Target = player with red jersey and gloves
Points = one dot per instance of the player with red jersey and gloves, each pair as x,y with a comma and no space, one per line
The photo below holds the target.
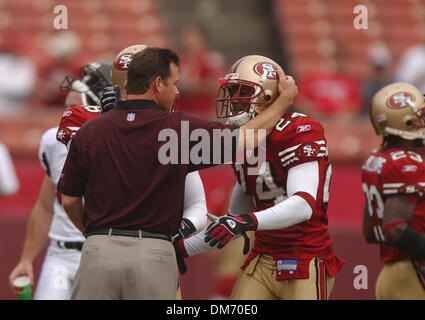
284,202
393,179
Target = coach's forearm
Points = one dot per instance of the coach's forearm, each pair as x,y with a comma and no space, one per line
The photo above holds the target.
256,130
74,209
267,119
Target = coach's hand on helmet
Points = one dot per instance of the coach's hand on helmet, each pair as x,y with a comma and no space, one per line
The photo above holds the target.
111,95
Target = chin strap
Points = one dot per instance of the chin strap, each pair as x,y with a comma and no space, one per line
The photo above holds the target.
401,133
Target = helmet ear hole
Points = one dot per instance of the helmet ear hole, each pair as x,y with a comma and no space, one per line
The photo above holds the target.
268,98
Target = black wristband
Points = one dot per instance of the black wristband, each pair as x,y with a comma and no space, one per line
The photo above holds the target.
413,243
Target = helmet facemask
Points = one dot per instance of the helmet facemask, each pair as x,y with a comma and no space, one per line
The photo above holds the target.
88,97
238,100
249,87
94,77
416,120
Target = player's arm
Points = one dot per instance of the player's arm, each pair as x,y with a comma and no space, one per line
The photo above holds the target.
37,230
302,184
239,203
195,207
75,210
270,116
368,226
398,211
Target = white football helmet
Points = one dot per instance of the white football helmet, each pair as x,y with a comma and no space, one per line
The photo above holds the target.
249,87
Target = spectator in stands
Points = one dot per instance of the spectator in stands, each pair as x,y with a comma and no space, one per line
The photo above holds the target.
332,94
411,67
62,49
379,58
200,67
17,76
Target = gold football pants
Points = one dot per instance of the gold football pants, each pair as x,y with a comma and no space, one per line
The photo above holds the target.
258,282
399,281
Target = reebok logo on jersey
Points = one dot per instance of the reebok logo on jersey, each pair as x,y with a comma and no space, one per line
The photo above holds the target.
231,223
67,113
409,168
303,128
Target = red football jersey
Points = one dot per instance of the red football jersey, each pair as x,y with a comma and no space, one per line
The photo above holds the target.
72,119
296,139
388,172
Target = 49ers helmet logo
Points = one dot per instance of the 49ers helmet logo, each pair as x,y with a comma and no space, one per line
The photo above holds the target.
308,150
271,70
399,100
123,61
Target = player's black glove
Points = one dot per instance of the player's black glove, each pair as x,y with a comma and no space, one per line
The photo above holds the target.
180,257
111,95
224,228
186,229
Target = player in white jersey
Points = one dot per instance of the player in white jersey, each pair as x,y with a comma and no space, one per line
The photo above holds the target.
48,218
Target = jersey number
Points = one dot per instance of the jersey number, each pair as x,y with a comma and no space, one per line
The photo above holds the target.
92,109
375,206
267,187
282,124
397,155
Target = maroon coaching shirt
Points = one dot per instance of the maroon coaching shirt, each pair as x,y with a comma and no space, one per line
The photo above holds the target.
113,161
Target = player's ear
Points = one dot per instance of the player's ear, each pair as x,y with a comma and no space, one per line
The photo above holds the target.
158,84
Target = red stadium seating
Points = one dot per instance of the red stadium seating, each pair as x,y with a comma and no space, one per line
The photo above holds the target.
131,22
399,25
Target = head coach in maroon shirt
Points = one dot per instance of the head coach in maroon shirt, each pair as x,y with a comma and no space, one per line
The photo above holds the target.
132,200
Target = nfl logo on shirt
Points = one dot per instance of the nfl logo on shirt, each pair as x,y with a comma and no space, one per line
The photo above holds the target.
131,116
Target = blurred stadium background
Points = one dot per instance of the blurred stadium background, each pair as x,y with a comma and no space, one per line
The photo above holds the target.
311,39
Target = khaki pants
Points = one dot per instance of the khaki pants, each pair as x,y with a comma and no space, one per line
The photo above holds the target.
399,281
118,267
258,282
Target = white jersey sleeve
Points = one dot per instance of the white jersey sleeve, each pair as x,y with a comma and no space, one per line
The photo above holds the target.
195,204
302,179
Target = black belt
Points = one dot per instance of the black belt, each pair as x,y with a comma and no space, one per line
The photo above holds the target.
70,245
128,233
